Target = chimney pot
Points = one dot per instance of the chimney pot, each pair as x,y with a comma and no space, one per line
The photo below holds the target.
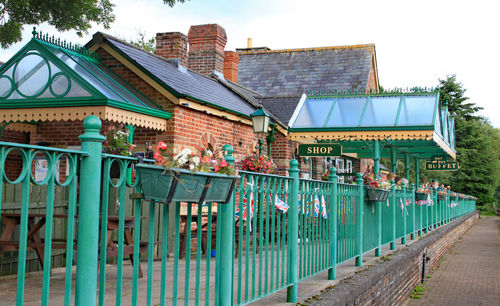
249,43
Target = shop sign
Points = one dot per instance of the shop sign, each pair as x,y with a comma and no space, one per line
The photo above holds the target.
441,166
324,149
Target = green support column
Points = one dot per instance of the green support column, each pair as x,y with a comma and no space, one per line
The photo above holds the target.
293,232
407,167
405,189
394,159
417,172
376,158
378,250
376,170
359,221
412,197
393,215
332,272
130,139
88,211
226,213
260,148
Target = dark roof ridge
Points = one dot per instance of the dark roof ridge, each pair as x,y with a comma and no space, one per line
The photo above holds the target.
358,46
253,103
107,36
278,97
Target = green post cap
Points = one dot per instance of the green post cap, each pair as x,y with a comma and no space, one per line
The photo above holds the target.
92,126
333,174
294,165
229,153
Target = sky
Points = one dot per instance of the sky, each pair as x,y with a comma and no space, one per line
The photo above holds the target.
416,43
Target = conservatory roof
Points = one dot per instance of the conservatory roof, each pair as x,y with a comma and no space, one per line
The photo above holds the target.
415,123
53,80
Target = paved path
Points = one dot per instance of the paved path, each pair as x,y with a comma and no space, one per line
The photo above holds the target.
470,272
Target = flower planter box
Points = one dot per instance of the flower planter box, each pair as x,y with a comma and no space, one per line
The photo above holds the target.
421,196
375,194
441,196
179,185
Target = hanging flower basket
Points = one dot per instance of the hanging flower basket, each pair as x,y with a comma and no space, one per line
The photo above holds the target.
441,196
376,194
421,196
180,185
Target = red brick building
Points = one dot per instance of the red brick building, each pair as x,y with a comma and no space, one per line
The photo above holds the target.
209,92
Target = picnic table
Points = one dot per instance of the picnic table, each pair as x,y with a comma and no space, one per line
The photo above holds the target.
11,220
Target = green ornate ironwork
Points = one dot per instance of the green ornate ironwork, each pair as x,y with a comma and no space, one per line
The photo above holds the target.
48,72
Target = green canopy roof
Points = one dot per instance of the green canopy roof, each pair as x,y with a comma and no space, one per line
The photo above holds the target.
46,73
414,123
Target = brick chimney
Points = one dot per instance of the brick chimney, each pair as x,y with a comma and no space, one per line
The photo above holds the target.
206,48
231,60
173,46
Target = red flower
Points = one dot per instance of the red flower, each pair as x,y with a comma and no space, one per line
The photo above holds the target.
162,145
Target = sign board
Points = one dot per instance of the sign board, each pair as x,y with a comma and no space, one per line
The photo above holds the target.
441,166
438,159
324,149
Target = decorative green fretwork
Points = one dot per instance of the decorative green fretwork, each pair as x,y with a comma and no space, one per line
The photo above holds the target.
63,44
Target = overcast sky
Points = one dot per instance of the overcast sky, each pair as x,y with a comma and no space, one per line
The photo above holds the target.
416,43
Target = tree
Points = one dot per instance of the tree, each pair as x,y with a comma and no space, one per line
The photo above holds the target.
64,15
143,43
477,144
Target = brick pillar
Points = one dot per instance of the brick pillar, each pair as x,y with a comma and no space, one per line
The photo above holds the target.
173,45
231,60
206,48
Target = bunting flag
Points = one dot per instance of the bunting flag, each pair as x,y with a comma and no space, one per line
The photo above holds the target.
244,213
316,205
323,208
280,205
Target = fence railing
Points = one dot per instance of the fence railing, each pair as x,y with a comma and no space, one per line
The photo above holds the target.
275,232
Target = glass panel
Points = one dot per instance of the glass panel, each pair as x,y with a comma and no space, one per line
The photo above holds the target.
88,77
445,125
31,75
60,84
381,111
5,87
347,112
417,110
77,90
438,129
313,113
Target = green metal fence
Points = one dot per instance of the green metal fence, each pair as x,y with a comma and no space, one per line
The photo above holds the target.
274,232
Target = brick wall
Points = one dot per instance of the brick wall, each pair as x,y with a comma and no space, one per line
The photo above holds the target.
391,282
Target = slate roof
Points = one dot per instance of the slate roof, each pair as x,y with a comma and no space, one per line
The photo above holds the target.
276,73
183,82
281,107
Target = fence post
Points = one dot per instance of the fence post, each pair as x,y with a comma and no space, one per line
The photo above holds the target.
393,212
88,220
332,272
225,245
405,211
359,221
293,233
412,195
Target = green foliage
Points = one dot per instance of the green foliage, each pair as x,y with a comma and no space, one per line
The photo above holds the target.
64,15
143,43
171,3
477,144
